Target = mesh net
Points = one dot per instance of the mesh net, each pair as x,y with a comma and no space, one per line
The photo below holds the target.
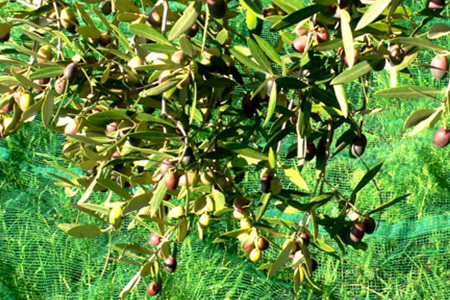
407,258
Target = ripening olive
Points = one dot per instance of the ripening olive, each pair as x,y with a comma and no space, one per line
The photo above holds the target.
45,53
170,264
439,66
60,85
262,243
217,8
154,239
71,127
25,101
436,4
265,183
71,71
153,288
357,232
359,145
115,216
204,220
310,151
165,166
441,137
171,180
299,43
370,225
396,55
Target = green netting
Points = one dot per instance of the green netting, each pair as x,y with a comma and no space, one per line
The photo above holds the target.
408,256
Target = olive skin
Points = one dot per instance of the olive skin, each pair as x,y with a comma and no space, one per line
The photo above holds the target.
193,30
436,4
397,55
370,225
322,35
255,255
239,204
71,71
249,105
171,180
71,127
60,85
188,157
153,288
441,137
154,239
305,238
105,39
265,183
217,8
439,67
262,243
310,151
299,43
165,166
179,57
357,232
170,264
359,146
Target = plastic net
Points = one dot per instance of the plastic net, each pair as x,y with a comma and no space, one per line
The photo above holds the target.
407,258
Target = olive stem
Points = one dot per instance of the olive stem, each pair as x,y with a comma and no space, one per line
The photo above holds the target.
164,18
58,20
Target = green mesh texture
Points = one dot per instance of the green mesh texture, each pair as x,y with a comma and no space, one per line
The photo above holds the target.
408,256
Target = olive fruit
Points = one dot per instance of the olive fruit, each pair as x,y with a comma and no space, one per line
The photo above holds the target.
204,220
68,19
310,151
265,183
322,35
190,178
255,255
357,232
179,57
269,11
115,216
111,127
436,4
153,288
207,178
299,43
248,244
359,145
439,66
245,223
441,137
60,85
217,8
71,71
262,243
135,62
8,107
106,8
240,204
5,37
165,166
396,55
45,53
71,127
305,238
105,39
25,101
250,105
170,264
154,19
238,215
154,239
171,180
188,157
369,225
193,30
176,212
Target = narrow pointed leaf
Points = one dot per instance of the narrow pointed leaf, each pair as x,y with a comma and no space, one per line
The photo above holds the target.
372,13
186,20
